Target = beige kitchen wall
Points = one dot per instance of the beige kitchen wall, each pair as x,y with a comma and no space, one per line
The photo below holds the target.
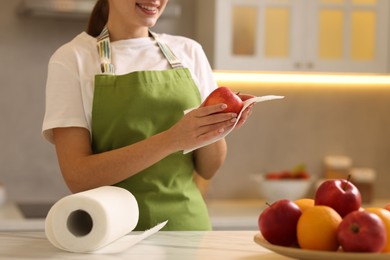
304,127
27,163
311,122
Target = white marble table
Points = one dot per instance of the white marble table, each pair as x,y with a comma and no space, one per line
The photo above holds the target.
163,245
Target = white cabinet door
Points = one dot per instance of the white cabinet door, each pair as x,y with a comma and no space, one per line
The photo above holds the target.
300,35
257,35
347,35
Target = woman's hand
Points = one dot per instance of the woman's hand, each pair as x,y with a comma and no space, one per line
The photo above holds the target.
247,112
201,125
206,123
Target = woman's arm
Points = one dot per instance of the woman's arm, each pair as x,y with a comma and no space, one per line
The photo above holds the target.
210,158
83,170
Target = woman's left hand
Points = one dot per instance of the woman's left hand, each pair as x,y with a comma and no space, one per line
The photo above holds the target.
247,112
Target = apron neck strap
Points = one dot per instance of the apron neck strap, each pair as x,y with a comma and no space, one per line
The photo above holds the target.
104,49
169,55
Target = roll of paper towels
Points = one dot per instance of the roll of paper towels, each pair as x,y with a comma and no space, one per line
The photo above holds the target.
95,221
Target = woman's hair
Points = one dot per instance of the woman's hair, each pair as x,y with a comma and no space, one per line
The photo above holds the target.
98,18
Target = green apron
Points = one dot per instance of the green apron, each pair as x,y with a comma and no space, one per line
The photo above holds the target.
135,106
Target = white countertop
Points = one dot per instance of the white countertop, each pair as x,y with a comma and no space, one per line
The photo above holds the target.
162,245
234,223
22,238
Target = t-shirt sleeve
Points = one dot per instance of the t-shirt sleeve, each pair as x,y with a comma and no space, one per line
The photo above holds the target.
203,73
191,54
64,105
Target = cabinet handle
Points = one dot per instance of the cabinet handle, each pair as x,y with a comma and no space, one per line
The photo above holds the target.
297,65
310,65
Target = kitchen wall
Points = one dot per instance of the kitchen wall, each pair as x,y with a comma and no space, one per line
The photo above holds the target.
307,125
28,164
311,122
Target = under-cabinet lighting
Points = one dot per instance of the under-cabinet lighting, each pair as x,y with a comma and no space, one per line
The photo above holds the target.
303,78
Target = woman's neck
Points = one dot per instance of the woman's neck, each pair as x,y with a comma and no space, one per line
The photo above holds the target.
123,32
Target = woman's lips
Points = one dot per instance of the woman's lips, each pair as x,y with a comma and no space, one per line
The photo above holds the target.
149,9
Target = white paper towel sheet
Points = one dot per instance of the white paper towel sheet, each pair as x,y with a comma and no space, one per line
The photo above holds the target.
247,103
96,221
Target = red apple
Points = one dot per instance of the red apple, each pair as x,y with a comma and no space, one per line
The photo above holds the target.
341,195
272,176
278,222
226,96
299,172
362,231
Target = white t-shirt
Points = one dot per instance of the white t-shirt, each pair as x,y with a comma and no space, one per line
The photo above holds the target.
72,69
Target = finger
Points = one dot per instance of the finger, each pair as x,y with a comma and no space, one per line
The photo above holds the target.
208,110
217,127
248,111
240,123
245,96
218,118
214,118
244,117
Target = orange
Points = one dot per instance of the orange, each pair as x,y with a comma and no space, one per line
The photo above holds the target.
317,228
304,203
385,217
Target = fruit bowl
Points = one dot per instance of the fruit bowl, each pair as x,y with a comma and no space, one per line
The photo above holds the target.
303,254
276,189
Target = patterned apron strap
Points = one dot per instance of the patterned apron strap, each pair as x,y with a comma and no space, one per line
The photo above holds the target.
172,59
104,49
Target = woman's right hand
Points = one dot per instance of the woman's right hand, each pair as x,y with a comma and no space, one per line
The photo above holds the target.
201,125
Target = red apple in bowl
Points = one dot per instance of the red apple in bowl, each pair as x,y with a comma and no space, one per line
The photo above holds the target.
226,96
362,231
339,194
278,222
384,215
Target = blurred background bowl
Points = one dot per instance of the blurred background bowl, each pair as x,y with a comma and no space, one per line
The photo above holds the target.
276,189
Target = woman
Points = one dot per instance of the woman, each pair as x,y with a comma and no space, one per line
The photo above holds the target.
114,110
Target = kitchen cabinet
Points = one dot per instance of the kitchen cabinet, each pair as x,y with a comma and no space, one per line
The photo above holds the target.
295,35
